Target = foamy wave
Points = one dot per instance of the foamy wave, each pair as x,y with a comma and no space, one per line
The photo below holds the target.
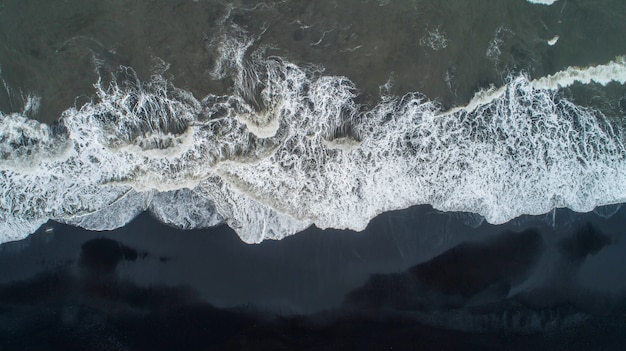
542,2
614,71
291,148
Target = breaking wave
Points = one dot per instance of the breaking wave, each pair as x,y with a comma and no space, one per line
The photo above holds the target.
542,2
292,147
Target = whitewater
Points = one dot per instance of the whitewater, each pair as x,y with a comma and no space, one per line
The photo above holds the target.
292,147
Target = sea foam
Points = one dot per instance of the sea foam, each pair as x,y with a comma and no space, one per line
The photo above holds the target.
542,2
291,148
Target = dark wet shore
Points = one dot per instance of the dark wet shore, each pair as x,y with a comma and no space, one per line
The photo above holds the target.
414,277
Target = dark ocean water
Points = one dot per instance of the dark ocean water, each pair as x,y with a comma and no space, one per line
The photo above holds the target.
240,122
49,48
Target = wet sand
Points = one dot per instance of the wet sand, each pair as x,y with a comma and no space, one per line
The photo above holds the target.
413,277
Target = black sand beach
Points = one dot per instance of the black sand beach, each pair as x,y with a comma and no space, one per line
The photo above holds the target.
414,278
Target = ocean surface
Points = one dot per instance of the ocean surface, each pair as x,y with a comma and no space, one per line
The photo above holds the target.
312,174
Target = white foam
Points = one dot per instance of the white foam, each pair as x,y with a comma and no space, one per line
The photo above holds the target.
542,2
614,71
434,39
262,125
553,41
500,36
518,149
